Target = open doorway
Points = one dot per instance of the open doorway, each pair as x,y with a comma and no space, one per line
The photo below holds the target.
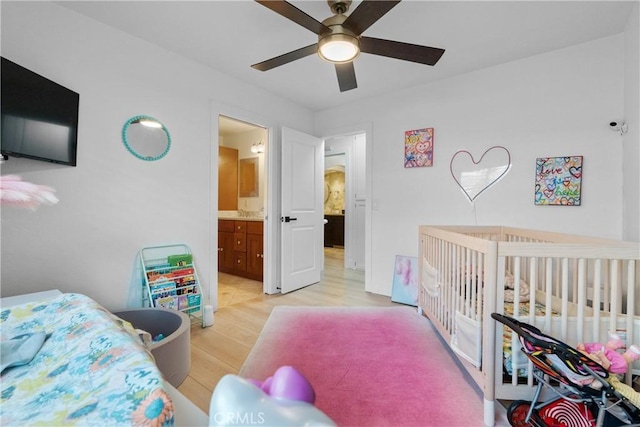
345,197
242,202
359,137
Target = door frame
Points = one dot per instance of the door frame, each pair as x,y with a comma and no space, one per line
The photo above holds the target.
367,130
271,279
271,225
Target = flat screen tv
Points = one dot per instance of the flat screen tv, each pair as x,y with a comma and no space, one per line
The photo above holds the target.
39,117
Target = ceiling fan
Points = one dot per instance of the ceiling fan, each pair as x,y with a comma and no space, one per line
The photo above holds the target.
340,38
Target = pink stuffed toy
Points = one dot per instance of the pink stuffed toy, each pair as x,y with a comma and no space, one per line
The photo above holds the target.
608,356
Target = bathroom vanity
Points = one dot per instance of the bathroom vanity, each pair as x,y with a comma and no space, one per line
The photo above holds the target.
240,247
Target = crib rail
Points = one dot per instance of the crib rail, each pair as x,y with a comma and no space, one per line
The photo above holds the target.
584,291
575,288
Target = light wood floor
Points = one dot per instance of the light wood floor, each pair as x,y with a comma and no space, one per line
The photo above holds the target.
243,310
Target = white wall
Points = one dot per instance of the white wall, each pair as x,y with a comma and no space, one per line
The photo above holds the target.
631,141
554,104
112,204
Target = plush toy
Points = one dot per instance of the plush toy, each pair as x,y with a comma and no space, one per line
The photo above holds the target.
285,399
287,383
608,356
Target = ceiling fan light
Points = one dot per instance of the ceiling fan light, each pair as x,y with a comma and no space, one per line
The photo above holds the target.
338,48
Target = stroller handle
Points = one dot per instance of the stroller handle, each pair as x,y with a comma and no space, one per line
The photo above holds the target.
514,324
533,336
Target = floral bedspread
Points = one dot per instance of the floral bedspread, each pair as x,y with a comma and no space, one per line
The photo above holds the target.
92,370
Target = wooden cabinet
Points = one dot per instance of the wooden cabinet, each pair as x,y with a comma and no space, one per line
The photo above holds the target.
334,231
225,245
240,248
255,251
227,179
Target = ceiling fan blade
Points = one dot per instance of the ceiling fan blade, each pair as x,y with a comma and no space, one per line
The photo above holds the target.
346,76
405,51
286,58
294,14
366,14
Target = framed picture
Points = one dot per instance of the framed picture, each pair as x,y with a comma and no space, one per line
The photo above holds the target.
405,281
418,148
558,181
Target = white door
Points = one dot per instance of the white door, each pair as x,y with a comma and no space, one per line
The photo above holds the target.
302,226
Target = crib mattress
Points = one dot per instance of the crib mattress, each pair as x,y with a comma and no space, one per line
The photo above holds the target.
91,370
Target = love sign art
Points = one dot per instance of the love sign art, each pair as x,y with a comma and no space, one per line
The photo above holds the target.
558,181
475,176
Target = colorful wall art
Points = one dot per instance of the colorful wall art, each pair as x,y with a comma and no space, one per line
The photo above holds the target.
418,148
405,281
558,181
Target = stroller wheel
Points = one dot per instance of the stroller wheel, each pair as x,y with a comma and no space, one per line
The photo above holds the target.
517,415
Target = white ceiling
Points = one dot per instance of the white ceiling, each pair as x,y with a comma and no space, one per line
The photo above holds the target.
229,36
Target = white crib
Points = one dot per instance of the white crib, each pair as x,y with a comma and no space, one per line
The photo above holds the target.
575,288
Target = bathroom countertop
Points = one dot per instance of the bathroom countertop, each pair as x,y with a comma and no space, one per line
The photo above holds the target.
235,217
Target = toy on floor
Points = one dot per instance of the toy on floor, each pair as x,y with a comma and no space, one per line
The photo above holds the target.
285,399
287,383
608,356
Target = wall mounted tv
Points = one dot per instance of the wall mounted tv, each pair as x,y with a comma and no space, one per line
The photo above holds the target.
39,117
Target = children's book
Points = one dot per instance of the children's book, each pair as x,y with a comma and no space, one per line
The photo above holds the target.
167,302
162,289
194,300
182,259
183,302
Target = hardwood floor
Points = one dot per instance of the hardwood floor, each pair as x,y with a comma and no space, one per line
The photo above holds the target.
243,310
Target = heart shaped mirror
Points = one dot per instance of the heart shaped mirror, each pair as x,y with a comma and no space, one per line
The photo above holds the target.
146,138
475,176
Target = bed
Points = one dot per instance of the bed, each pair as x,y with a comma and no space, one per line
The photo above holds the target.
575,288
92,369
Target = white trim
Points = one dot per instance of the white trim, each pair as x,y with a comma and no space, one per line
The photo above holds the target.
271,226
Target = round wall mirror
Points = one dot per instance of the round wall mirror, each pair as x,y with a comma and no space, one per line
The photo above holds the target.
146,138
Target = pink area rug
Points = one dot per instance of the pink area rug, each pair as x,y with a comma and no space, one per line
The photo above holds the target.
368,366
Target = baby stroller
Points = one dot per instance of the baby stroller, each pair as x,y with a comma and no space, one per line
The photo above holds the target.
582,394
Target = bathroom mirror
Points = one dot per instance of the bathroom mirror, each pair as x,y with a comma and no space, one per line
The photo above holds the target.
146,138
248,177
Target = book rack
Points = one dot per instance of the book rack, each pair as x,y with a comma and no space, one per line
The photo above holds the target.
170,279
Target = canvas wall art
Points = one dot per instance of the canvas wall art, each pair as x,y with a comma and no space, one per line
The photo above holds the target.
558,181
418,148
405,281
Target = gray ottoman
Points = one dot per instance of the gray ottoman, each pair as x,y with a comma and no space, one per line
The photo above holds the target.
173,353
